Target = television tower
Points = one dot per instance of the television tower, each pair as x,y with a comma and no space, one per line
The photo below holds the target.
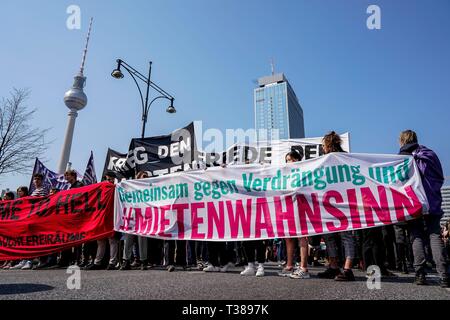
75,99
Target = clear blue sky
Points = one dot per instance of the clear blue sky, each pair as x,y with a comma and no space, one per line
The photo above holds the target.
372,83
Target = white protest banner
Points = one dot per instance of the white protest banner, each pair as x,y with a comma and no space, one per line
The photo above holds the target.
336,192
268,152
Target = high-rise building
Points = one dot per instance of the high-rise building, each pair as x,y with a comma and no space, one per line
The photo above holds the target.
445,203
278,114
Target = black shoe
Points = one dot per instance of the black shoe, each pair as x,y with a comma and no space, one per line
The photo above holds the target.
125,265
404,269
59,266
41,266
329,273
347,275
200,265
420,279
111,267
444,282
316,263
94,266
144,265
387,273
171,268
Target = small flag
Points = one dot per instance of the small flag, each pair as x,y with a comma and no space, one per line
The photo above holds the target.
89,175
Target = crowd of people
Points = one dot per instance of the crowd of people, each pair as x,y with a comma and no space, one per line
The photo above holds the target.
414,246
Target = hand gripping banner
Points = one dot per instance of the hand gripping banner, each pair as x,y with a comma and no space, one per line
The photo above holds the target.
32,227
336,192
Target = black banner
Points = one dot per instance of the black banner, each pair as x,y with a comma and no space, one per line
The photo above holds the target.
165,154
117,162
156,155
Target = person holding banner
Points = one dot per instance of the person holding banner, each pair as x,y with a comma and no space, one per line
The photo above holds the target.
9,196
22,192
427,227
220,253
39,191
142,242
332,143
110,176
302,270
255,252
66,257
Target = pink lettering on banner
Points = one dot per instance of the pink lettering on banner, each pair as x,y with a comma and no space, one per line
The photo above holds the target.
263,211
138,226
313,214
216,219
127,217
281,215
180,208
239,218
148,216
155,228
122,219
371,204
410,203
353,205
335,212
196,221
164,222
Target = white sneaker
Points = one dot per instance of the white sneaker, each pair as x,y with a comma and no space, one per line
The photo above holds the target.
18,266
249,271
260,271
226,267
300,274
28,266
285,272
211,268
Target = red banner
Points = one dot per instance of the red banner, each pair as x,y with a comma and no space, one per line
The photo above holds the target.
32,227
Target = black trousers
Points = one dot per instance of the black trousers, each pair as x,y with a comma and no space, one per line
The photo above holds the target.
239,252
373,247
155,251
86,250
255,251
201,251
220,253
177,252
389,244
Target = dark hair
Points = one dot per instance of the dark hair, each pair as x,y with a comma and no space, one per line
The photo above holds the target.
72,173
141,174
295,155
111,174
24,190
9,194
332,141
38,175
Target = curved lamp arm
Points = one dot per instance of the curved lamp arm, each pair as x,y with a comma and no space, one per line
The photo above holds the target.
137,85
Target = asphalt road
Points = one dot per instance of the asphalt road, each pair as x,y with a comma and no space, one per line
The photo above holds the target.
197,285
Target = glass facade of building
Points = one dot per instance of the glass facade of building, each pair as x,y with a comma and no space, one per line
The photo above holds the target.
278,114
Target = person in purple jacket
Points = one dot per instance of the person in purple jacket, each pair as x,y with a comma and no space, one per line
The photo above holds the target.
427,226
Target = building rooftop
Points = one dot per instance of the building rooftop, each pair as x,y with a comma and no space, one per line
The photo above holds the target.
271,79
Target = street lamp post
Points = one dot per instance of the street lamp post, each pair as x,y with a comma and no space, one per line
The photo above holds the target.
117,74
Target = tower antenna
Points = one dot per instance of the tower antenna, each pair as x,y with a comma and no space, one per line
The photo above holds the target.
272,66
83,61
